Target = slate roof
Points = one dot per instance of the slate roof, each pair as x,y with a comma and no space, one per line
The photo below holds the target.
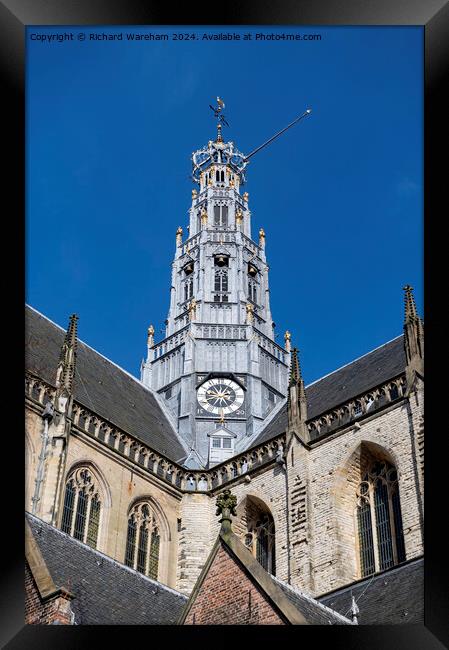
393,596
340,386
102,387
316,613
105,591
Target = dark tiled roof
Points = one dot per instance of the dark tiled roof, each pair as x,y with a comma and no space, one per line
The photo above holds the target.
313,611
351,380
394,596
102,387
106,592
356,378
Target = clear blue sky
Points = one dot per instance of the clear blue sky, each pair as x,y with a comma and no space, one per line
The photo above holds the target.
110,130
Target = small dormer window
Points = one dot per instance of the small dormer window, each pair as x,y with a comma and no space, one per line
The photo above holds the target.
221,446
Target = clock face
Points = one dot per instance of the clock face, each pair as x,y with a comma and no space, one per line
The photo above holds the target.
220,396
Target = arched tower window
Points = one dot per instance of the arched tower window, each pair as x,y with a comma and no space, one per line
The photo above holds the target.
252,289
221,280
379,520
143,540
220,215
82,507
188,289
255,527
221,285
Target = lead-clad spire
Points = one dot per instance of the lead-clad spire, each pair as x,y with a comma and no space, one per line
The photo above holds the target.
413,339
65,373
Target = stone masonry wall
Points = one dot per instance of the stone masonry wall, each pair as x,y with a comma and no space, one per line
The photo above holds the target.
228,597
121,485
333,545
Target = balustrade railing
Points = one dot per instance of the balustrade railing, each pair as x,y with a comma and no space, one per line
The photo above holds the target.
246,462
351,411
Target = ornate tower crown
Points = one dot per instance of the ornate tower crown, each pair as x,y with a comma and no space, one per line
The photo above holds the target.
218,152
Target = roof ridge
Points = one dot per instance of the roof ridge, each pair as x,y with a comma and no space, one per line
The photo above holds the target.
311,599
103,555
354,360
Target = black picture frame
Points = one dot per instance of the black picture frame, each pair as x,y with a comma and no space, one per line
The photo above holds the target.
15,15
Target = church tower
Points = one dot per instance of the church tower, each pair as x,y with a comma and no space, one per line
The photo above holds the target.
218,368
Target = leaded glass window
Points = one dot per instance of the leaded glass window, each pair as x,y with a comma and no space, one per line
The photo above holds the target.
82,507
221,280
260,540
379,520
143,541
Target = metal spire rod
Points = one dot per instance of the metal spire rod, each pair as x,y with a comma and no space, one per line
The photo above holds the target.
307,112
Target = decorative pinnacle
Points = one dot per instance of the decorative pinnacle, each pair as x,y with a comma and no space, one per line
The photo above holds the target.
151,336
226,504
410,306
67,360
287,339
295,370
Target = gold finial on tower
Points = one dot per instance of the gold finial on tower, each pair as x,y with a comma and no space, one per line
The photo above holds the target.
204,217
287,339
262,238
179,236
238,218
245,196
192,309
194,194
249,313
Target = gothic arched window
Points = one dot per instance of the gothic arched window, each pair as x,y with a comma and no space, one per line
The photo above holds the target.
221,280
220,215
260,541
256,529
380,534
143,541
82,507
252,290
188,289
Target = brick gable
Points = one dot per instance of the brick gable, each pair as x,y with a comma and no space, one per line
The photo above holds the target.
228,597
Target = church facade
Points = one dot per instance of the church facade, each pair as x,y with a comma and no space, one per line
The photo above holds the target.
328,478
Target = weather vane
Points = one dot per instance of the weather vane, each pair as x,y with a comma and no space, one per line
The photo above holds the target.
217,111
225,152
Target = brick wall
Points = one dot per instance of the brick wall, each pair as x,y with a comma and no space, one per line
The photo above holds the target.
228,597
55,610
